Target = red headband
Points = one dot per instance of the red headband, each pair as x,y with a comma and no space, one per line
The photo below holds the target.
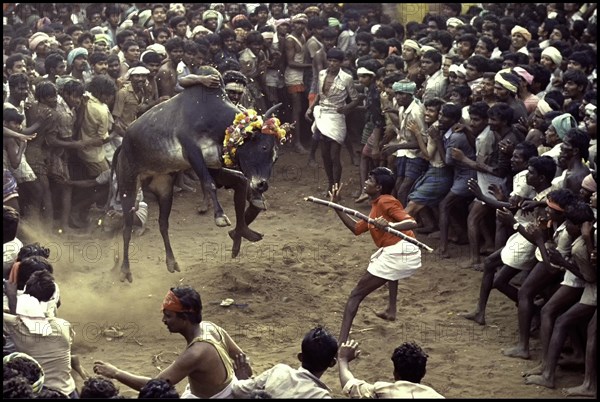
172,303
554,205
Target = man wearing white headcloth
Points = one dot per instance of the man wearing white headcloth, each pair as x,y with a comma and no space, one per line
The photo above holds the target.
329,111
131,101
45,338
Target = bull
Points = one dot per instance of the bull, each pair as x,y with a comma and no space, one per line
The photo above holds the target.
187,131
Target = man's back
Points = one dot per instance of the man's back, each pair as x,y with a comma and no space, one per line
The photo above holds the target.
283,381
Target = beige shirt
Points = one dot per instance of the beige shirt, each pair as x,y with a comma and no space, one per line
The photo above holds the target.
283,381
96,123
52,352
388,390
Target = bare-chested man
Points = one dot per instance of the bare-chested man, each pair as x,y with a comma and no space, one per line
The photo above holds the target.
207,361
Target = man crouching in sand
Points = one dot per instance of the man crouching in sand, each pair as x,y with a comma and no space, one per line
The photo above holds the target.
207,361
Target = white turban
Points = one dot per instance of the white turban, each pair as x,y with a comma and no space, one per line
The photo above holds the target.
553,54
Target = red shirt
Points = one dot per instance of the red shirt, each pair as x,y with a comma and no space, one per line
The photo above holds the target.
391,210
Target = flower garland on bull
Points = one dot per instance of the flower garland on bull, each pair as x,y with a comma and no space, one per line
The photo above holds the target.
244,126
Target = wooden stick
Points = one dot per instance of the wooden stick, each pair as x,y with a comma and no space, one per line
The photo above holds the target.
369,220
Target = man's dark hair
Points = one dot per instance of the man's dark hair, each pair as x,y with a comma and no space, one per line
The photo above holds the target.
579,212
544,166
501,111
122,36
26,367
101,85
30,265
410,362
158,388
434,55
452,111
10,223
151,57
73,88
580,141
563,197
29,250
13,59
98,387
364,36
479,109
176,20
15,79
52,61
385,178
577,76
84,36
96,57
12,115
528,149
190,300
434,102
557,96
17,387
234,76
41,285
319,348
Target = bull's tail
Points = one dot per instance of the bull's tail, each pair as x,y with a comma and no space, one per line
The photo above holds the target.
113,168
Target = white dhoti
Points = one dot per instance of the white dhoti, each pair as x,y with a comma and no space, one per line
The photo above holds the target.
225,393
330,123
395,262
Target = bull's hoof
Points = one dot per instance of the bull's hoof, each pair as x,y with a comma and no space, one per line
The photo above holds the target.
259,203
126,275
246,233
172,266
222,221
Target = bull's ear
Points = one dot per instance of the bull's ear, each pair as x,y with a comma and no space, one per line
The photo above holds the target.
272,110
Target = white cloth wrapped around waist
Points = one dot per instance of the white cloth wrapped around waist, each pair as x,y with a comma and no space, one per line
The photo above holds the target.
330,123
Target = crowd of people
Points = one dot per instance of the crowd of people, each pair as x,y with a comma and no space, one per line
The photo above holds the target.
476,125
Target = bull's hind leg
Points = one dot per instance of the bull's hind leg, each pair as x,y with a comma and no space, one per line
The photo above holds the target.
127,190
162,186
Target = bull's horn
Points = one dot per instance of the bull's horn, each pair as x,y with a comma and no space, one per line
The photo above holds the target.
272,110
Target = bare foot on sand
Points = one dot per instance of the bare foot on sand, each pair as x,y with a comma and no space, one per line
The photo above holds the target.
386,316
516,351
539,380
537,370
580,390
476,316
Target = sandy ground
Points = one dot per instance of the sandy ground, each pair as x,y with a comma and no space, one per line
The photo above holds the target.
298,276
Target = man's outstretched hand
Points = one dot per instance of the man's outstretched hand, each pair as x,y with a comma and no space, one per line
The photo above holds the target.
335,193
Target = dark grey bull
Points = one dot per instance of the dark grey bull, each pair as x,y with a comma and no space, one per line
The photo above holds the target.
188,131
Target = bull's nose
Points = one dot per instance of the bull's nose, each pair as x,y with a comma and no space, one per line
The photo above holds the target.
262,186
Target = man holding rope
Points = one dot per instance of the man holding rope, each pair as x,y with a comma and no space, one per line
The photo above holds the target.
395,259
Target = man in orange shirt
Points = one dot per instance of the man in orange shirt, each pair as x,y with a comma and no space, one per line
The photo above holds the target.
395,259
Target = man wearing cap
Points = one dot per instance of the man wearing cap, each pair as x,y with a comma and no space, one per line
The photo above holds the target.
411,142
558,128
207,360
77,62
519,39
130,101
210,19
329,111
551,60
295,48
506,88
38,44
529,99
